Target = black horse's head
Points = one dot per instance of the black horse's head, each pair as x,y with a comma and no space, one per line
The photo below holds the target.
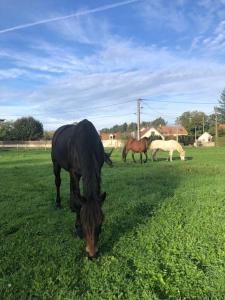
91,218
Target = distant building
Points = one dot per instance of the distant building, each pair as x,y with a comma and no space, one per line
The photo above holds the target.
164,132
205,137
148,132
172,131
111,139
205,140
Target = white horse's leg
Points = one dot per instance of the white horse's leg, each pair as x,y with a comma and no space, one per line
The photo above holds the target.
154,154
171,155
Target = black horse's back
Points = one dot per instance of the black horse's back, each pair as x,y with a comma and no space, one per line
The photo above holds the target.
60,145
77,146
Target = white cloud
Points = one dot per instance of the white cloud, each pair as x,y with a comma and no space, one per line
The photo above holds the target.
80,85
215,43
169,14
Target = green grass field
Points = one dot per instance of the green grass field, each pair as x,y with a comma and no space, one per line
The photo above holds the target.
163,235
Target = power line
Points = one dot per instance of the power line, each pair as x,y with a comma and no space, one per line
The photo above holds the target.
78,110
179,102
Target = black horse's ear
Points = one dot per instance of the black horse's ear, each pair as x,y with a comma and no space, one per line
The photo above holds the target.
102,197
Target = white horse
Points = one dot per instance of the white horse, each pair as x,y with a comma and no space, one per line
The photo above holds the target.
169,146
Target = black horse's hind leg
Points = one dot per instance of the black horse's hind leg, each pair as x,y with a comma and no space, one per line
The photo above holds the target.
75,204
146,157
133,157
56,170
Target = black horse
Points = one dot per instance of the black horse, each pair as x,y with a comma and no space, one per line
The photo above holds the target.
79,150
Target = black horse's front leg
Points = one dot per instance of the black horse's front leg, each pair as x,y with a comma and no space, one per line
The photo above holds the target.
133,157
57,170
75,204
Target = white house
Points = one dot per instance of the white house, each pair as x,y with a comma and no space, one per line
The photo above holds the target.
148,132
205,140
205,137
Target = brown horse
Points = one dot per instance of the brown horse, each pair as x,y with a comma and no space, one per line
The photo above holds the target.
136,146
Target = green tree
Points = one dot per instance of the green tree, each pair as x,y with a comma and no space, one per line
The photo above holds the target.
221,108
48,135
193,119
211,123
27,128
7,131
157,122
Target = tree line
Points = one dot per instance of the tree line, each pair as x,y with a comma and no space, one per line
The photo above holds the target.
23,129
125,127
195,122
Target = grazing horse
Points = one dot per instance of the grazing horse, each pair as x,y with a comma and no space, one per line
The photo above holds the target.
136,146
79,150
169,146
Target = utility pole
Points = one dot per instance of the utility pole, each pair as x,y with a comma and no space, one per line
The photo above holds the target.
203,125
196,144
138,118
216,126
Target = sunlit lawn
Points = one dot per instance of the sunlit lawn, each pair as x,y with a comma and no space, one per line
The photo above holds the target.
163,235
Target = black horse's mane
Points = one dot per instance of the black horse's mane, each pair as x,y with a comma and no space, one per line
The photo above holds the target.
90,153
91,157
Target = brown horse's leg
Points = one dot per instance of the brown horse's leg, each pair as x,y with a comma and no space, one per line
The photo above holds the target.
146,156
133,157
124,154
141,157
56,170
75,196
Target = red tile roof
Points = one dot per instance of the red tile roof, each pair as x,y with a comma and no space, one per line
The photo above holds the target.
172,130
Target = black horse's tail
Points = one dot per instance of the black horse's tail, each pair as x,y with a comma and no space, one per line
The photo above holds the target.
107,159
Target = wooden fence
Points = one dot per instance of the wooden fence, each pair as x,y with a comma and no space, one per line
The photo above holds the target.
25,144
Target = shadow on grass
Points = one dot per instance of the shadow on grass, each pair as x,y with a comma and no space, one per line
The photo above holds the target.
174,158
141,196
134,190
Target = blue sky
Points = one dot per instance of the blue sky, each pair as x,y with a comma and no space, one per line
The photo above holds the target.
62,61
